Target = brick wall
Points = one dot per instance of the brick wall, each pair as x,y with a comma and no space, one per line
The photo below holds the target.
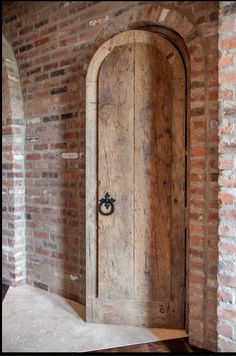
227,179
13,193
53,43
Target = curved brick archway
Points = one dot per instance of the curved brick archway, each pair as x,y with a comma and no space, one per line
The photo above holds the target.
53,43
201,268
13,127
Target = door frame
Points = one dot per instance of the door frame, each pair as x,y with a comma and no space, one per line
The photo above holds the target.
92,150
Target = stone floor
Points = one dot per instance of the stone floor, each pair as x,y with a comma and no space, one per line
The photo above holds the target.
34,320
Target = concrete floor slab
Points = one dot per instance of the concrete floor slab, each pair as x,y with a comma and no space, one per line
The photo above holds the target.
34,320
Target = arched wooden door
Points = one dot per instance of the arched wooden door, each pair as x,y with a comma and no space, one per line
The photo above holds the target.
136,262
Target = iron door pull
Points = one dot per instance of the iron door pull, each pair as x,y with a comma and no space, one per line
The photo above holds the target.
108,202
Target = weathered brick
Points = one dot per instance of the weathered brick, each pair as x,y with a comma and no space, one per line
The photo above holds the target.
51,118
41,100
26,48
58,90
33,156
41,77
57,72
41,42
226,198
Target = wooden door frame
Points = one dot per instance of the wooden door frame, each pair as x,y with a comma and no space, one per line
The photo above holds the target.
92,149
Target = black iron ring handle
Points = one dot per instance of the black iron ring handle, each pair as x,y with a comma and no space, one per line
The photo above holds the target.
108,202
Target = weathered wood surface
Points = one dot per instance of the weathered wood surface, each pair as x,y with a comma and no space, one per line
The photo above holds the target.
139,254
116,172
153,105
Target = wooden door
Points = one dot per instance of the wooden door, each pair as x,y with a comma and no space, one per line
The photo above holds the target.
140,248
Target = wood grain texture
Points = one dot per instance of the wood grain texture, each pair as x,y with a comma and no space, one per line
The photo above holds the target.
177,251
153,105
115,172
136,261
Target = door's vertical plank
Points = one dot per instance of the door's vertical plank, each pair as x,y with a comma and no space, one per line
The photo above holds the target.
178,198
152,174
116,173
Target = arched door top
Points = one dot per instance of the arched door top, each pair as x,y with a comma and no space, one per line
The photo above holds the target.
138,36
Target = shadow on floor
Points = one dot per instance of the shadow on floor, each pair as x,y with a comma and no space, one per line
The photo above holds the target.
4,290
173,346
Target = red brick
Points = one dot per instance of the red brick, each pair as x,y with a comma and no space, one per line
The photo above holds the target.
227,281
226,345
41,235
229,248
226,94
226,129
196,278
228,214
196,241
40,147
227,44
227,313
226,61
225,296
42,251
58,255
79,28
197,151
59,54
213,95
26,30
226,198
227,78
33,156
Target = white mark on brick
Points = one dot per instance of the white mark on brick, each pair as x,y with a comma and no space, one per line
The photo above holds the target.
19,191
73,277
14,79
18,157
32,138
33,120
70,155
10,60
60,34
163,14
212,284
99,20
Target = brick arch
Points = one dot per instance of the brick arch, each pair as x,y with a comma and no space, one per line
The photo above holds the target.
202,326
13,129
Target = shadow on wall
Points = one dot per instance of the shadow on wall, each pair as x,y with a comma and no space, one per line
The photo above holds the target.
55,199
13,169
